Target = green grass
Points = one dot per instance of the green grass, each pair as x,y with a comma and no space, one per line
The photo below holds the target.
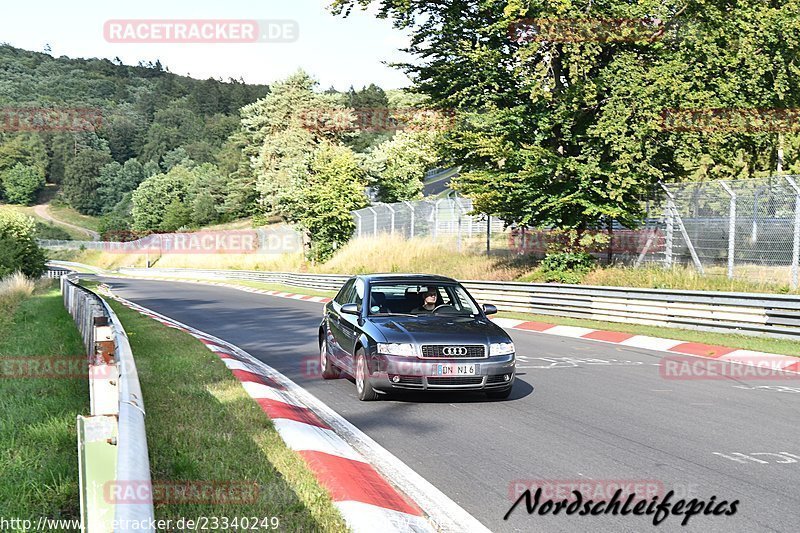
25,210
38,441
744,342
71,216
202,426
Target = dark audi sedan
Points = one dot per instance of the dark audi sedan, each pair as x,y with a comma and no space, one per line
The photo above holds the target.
393,331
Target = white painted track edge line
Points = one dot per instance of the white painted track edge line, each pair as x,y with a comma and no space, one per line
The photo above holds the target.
446,515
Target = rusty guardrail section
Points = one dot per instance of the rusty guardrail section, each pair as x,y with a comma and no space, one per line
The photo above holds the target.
112,443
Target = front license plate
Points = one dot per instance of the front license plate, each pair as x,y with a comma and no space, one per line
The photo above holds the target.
456,370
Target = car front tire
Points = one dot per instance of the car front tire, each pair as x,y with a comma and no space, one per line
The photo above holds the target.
327,369
499,394
365,391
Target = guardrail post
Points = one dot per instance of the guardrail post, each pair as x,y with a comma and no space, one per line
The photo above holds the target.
731,228
796,240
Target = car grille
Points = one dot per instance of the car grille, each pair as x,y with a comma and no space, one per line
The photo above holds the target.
409,380
437,350
463,380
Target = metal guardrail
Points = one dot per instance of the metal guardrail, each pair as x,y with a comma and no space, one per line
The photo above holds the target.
320,282
743,313
114,434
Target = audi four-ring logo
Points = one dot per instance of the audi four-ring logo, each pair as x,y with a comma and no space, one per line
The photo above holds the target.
454,351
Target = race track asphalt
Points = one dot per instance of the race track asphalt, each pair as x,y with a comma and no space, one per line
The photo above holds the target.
581,411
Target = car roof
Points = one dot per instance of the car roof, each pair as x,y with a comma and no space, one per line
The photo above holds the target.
410,278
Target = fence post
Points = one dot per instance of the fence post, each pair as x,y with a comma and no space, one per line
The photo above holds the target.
670,233
391,209
488,234
671,205
796,245
436,218
374,221
731,228
411,208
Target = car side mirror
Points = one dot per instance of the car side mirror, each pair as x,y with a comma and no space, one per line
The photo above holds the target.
350,309
489,309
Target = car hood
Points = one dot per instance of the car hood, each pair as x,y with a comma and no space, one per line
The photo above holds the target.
440,330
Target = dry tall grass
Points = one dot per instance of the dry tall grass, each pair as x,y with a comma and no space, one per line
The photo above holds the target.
388,253
13,289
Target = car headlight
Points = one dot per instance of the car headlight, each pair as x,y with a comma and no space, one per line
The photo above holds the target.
501,348
404,350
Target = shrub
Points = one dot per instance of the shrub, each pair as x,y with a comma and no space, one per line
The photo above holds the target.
21,183
18,248
566,267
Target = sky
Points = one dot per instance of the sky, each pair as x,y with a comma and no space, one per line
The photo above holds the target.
338,52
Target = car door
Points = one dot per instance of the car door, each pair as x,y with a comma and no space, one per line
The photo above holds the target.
334,318
350,326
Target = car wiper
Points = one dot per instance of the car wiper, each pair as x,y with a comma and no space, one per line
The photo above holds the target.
392,314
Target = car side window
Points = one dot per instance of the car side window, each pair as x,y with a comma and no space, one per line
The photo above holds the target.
344,293
357,296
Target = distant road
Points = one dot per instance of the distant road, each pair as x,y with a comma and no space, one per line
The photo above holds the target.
43,211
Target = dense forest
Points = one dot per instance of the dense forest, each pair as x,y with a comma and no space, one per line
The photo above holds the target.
166,152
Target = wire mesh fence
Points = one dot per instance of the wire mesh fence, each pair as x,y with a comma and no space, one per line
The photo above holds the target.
445,219
740,228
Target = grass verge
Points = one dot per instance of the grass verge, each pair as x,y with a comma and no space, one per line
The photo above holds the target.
203,427
44,224
71,216
38,441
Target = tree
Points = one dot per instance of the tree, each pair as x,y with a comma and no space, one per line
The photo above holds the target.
399,165
176,216
25,149
322,206
18,248
81,180
116,180
282,131
567,129
21,184
152,198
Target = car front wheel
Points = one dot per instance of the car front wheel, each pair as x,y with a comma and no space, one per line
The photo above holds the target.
499,394
365,391
328,370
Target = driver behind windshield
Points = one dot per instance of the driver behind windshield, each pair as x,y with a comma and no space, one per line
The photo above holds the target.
429,300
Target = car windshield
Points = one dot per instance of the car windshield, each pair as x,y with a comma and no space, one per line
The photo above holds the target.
420,299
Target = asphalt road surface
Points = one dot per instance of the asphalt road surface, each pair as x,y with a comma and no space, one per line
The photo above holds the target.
581,411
